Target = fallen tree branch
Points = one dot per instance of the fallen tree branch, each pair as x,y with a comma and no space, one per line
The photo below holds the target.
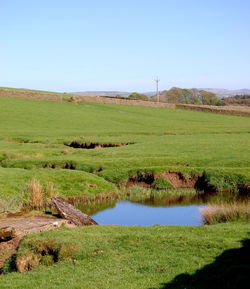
72,214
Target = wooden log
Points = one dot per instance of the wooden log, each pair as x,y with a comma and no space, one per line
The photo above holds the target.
72,214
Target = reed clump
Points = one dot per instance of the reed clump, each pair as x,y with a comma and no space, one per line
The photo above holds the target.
37,196
226,212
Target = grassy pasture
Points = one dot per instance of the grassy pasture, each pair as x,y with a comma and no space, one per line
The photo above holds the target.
141,257
33,134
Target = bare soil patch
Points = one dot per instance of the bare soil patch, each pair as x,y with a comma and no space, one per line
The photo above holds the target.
12,229
67,166
94,145
7,249
143,179
24,225
179,180
30,94
114,100
176,179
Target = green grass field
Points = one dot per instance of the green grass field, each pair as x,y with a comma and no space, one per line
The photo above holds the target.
33,134
141,257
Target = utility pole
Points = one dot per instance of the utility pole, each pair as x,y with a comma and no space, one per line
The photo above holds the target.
157,89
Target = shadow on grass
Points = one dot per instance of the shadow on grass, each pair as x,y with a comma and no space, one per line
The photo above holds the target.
230,270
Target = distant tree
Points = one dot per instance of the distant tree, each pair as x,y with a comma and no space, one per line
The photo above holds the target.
195,98
136,95
242,96
175,94
208,98
243,99
189,96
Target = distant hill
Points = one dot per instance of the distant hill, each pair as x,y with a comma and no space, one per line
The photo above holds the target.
103,93
109,93
226,92
221,92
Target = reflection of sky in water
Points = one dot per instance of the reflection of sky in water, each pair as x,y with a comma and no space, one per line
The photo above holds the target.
133,214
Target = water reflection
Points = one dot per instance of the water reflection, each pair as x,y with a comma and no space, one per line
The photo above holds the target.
93,207
133,214
191,199
152,209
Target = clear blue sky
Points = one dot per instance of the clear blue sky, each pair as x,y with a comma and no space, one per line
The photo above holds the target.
76,45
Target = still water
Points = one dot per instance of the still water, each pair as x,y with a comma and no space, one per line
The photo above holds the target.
128,213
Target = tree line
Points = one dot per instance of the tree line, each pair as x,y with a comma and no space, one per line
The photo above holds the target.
180,95
191,96
243,99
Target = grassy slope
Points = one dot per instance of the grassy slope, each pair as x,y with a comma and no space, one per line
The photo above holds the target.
25,90
138,257
67,182
36,92
33,132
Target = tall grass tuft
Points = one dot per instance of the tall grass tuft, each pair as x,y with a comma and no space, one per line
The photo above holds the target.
36,196
226,212
50,191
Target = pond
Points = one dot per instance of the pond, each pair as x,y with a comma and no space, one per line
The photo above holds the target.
128,213
175,208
